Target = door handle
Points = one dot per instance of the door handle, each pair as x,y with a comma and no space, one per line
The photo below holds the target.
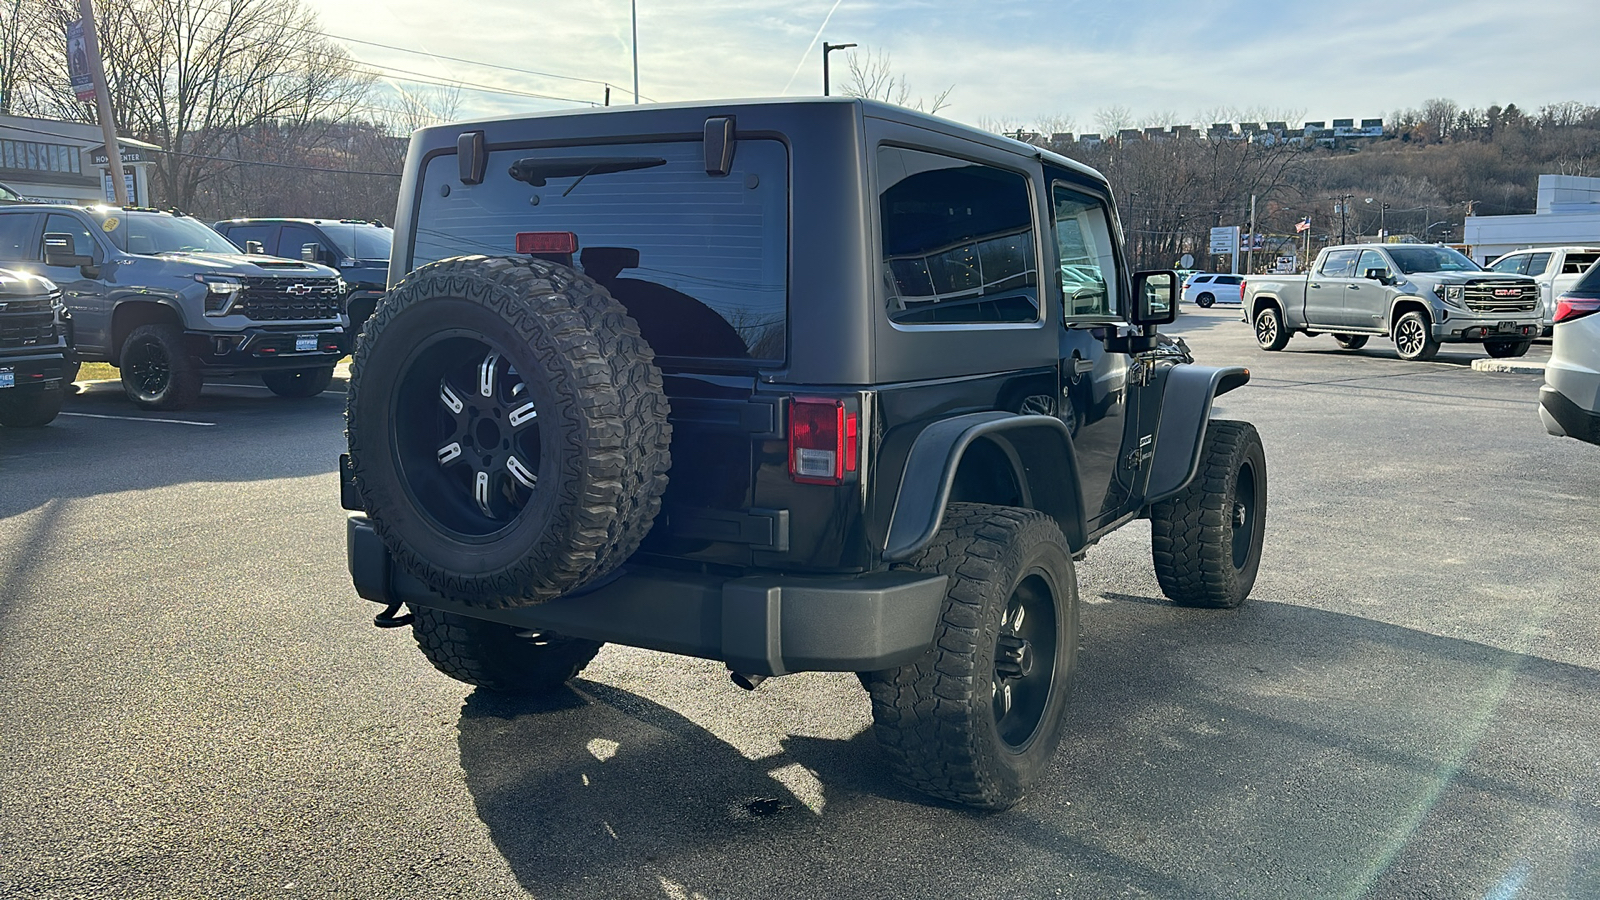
1315,285
1353,287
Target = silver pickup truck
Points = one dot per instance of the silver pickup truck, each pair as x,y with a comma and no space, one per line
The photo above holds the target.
1420,295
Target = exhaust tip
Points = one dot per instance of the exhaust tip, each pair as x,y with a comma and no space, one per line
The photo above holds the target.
746,680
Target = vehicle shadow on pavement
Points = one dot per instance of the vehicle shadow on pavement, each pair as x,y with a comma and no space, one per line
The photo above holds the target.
102,444
1274,751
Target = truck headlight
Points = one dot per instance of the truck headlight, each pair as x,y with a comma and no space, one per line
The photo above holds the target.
221,292
1449,293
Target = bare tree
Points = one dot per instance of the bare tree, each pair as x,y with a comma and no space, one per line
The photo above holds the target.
1113,119
871,76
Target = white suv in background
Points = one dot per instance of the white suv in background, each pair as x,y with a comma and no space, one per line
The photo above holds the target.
1569,402
1556,269
1205,288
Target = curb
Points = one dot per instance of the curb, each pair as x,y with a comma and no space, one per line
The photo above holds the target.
1516,366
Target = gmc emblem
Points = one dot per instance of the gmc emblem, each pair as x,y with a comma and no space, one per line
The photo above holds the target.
298,290
1508,292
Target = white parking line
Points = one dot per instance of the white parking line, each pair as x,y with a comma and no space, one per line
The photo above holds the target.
141,419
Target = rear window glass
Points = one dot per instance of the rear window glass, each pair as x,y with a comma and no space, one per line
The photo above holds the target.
700,261
958,241
1578,263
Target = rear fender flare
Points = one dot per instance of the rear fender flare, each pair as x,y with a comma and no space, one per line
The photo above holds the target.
1186,401
1039,449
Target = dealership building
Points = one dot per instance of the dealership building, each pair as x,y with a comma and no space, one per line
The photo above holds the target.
1568,213
46,161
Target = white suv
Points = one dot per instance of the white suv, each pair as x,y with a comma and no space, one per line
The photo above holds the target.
1569,401
1556,269
1206,288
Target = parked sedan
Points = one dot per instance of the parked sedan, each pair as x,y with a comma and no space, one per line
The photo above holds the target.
1206,288
1569,401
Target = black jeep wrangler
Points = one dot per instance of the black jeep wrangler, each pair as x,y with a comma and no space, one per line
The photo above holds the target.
800,385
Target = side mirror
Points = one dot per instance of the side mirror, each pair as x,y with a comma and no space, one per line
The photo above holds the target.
255,247
308,253
1381,276
1155,297
59,251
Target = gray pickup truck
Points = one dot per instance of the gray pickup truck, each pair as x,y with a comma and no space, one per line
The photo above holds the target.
171,302
1420,295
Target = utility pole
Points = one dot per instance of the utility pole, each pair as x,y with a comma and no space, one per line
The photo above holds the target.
1344,208
1250,251
102,102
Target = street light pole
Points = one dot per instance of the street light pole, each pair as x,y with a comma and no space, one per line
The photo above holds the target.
826,49
634,6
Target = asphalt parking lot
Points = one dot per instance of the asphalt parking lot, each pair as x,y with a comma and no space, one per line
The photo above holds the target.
197,705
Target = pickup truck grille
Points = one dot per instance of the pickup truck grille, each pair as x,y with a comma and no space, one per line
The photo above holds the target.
27,329
1500,297
30,305
267,299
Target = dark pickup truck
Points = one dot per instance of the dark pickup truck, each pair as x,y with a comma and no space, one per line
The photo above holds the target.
36,360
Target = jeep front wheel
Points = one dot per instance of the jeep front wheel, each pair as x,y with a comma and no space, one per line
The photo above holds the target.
501,658
1206,541
977,718
507,429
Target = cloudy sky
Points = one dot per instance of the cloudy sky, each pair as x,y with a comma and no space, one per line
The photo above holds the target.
1020,62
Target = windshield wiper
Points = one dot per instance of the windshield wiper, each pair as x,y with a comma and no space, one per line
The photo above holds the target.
534,170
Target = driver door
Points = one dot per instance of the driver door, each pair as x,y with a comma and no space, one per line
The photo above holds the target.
83,295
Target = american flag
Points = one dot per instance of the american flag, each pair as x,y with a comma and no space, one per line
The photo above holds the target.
1303,225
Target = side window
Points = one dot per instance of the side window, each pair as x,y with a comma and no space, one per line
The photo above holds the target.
239,235
1340,264
18,241
1370,259
1088,262
294,237
1229,279
1578,263
958,241
83,242
1512,265
1537,263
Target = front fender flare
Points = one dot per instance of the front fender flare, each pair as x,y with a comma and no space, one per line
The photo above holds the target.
1043,460
1185,411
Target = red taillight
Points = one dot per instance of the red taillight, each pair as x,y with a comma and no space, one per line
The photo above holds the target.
547,242
822,441
1569,308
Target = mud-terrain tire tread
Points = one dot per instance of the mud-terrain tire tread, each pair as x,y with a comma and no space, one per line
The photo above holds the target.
1191,534
30,409
298,384
595,357
184,380
932,717
501,658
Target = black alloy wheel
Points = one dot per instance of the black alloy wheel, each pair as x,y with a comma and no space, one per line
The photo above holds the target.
1024,661
467,436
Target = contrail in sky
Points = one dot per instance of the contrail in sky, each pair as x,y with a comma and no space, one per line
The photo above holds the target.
813,43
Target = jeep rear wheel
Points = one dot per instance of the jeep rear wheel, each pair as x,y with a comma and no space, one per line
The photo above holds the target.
1206,542
156,371
501,658
507,429
1270,333
1350,341
298,383
977,718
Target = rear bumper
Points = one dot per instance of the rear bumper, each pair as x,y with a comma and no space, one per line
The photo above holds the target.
757,624
1564,418
258,349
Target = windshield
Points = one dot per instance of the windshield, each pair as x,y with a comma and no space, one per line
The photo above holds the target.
1412,260
361,241
149,233
8,195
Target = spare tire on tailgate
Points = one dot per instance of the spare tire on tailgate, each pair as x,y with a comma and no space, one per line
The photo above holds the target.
507,429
